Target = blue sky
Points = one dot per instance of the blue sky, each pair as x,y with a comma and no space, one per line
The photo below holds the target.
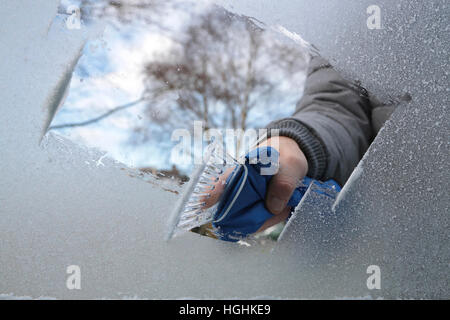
109,74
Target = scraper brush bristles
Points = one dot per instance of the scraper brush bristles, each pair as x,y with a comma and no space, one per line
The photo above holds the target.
191,210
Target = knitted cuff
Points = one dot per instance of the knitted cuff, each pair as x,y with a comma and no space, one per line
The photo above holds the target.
311,145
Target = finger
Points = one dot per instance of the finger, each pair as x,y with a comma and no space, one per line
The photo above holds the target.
276,219
280,190
214,195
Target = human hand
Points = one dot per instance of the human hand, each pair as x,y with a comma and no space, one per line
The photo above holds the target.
293,167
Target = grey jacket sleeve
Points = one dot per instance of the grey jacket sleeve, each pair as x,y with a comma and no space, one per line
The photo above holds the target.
331,123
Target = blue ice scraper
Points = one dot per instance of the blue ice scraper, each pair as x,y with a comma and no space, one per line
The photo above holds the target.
240,209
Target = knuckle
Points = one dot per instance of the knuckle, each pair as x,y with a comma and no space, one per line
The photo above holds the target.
294,164
292,160
284,187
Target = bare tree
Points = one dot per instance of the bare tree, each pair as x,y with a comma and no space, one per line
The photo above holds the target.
224,67
220,68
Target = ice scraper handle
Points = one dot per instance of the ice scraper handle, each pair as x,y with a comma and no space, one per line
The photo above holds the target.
241,210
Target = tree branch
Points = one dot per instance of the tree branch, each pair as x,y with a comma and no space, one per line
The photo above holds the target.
96,119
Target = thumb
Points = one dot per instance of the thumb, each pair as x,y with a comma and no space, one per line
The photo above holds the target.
280,190
293,167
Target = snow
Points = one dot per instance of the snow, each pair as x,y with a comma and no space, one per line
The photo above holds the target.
11,296
60,208
396,205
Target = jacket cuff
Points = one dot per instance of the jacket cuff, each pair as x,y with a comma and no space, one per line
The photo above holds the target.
311,145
